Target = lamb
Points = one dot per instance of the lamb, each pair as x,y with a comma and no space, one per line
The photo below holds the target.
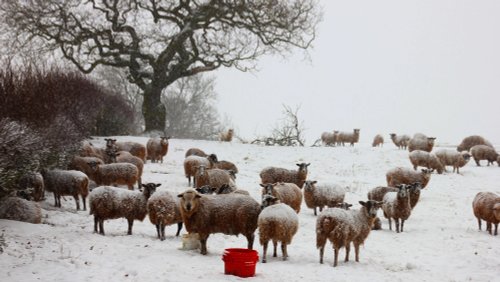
287,193
164,209
66,182
483,152
277,222
157,148
136,149
486,206
126,157
31,185
195,152
425,159
192,162
115,174
401,141
346,137
215,177
453,158
231,214
400,175
342,227
378,140
421,142
471,141
275,174
226,136
322,195
108,202
396,205
15,208
329,138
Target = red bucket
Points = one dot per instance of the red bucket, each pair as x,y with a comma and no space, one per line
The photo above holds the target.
240,262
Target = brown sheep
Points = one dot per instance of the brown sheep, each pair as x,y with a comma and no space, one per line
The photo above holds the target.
471,141
407,176
287,193
82,164
164,209
157,148
126,157
486,206
483,152
195,152
214,178
231,214
192,162
66,182
226,165
427,160
453,158
396,205
276,174
421,142
226,136
115,174
378,140
136,149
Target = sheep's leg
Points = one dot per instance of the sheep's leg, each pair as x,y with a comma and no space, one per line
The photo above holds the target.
130,186
264,251
275,246
347,249
335,259
250,239
477,162
189,180
179,227
390,223
479,222
162,227
55,200
496,229
315,211
397,224
488,227
139,183
356,251
77,201
321,253
415,167
84,204
402,224
158,231
101,226
203,241
130,224
284,251
96,221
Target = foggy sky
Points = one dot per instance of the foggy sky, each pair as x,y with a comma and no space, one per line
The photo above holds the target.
385,66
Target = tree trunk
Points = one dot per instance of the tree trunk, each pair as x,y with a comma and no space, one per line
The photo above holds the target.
153,110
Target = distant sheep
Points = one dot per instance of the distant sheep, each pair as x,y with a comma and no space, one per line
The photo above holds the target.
329,138
15,208
115,174
195,152
108,202
471,141
287,193
277,222
421,142
319,196
192,162
486,206
32,187
401,141
378,140
157,148
348,137
276,174
231,214
226,136
427,160
342,227
164,209
453,158
66,182
483,152
407,176
136,149
396,205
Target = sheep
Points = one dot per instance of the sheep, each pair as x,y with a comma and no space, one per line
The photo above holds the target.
66,182
108,202
192,162
136,149
378,140
347,137
421,142
126,157
157,148
231,214
483,152
195,152
486,206
329,138
342,227
471,141
31,186
425,159
226,165
322,195
343,205
276,174
15,208
400,175
88,150
114,174
287,193
164,209
401,141
215,177
453,158
277,222
226,136
396,205
82,164
498,160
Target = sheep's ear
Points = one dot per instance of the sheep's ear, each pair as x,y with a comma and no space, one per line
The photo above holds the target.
348,205
308,164
158,184
362,203
314,182
262,185
297,164
180,195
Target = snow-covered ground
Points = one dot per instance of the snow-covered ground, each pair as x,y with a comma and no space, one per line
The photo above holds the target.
441,241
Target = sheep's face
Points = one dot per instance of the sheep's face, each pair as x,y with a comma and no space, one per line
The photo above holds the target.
205,190
371,207
164,141
303,167
213,158
149,188
416,188
268,200
309,185
267,188
403,191
189,201
200,170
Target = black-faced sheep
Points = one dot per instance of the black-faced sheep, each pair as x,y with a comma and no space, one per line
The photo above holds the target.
108,202
164,209
453,158
226,136
401,175
427,160
342,227
276,174
66,182
191,163
396,205
329,138
483,152
287,193
277,222
471,141
420,141
195,152
486,206
401,141
319,196
378,140
348,137
157,148
115,174
231,214
15,208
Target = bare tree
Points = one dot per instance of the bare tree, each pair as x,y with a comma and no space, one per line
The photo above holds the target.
286,133
158,42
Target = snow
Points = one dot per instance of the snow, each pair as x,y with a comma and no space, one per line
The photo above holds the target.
441,241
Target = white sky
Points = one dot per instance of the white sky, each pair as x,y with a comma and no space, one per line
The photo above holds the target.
382,66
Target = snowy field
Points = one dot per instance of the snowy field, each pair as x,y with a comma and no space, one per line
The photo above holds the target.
441,241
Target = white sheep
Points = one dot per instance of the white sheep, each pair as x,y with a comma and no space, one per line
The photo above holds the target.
348,137
276,174
157,148
427,160
66,182
287,193
342,227
319,196
396,205
329,138
277,222
401,141
420,141
164,209
453,158
402,175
